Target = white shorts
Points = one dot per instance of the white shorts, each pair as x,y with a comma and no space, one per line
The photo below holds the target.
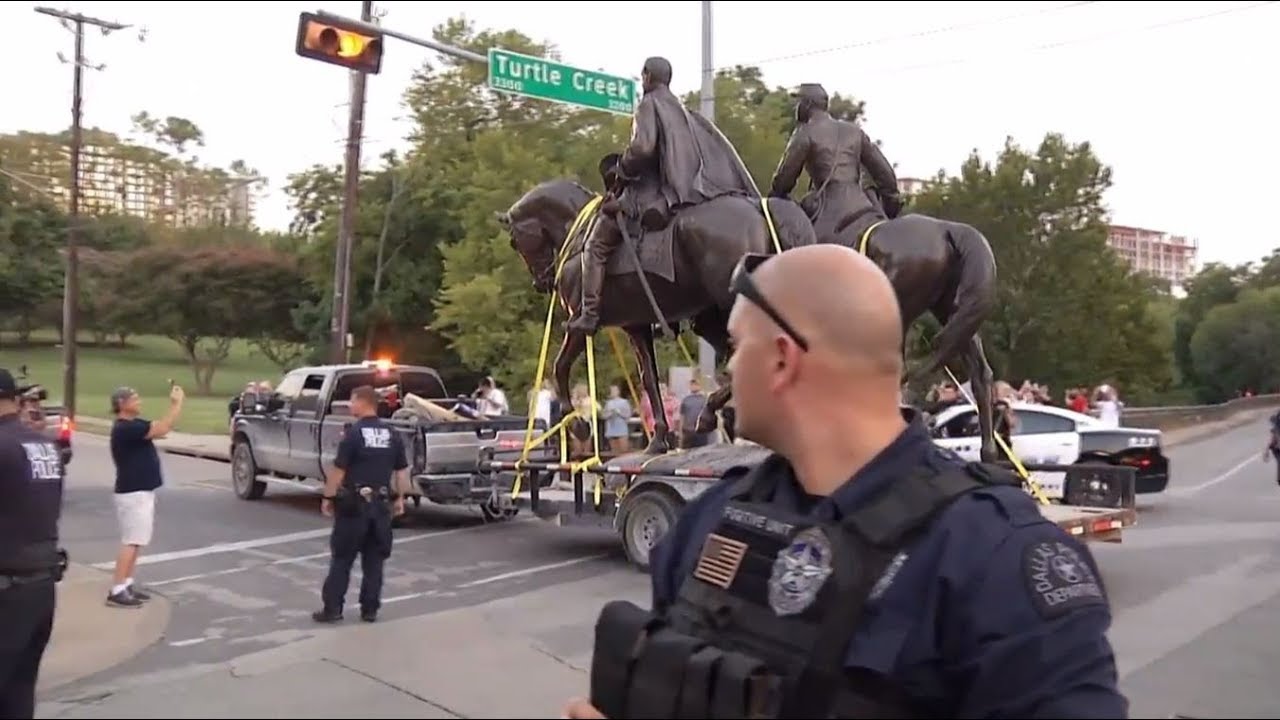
137,514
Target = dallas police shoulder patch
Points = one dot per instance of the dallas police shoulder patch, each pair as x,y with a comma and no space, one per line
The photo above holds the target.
1059,579
799,572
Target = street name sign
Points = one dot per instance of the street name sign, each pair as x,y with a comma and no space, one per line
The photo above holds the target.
543,79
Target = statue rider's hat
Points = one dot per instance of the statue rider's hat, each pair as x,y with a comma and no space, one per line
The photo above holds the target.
813,92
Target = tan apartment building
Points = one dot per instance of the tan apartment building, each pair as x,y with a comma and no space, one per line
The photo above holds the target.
1155,252
118,177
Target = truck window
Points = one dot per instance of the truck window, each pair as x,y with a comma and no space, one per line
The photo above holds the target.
424,385
291,385
308,399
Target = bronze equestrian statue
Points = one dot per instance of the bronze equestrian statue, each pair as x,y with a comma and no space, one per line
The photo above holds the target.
834,153
942,267
675,160
691,210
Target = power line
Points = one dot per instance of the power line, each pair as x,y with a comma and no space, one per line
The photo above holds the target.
1074,41
912,36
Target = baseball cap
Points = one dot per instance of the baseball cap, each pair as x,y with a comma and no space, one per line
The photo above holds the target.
119,396
8,386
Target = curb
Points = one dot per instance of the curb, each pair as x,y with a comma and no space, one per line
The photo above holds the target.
195,453
89,637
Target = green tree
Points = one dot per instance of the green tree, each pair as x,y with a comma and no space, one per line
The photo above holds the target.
1062,294
1213,286
198,298
1236,346
31,236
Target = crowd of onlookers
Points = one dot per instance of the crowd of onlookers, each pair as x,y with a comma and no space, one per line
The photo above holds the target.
622,426
1101,402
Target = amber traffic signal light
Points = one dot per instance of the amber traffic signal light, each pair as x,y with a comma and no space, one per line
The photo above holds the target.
332,41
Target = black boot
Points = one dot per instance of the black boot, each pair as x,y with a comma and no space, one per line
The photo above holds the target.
588,319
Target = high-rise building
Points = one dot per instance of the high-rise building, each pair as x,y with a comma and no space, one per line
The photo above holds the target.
118,177
1157,253
912,185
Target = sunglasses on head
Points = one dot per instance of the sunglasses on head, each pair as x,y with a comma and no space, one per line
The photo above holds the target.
742,284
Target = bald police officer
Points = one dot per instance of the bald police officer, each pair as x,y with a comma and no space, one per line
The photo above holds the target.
359,496
901,581
31,476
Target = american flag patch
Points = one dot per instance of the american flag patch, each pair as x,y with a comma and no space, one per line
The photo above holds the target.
719,561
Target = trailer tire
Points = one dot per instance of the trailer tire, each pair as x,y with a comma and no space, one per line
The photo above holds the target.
649,515
244,472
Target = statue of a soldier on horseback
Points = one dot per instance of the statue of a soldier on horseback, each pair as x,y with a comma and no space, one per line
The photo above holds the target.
684,208
936,266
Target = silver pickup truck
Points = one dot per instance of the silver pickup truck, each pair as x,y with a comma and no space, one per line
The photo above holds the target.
294,432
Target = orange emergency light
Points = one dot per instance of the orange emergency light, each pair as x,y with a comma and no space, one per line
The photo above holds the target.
336,42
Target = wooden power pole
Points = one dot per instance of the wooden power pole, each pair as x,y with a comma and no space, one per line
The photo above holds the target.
340,324
71,281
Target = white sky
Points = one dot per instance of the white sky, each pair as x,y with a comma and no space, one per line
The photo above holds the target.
1178,97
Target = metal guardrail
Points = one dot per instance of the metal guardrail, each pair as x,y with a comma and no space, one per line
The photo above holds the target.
1170,418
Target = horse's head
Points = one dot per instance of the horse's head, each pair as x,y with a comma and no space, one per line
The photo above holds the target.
538,223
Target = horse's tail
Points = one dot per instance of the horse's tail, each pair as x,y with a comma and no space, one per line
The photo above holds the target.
975,297
791,223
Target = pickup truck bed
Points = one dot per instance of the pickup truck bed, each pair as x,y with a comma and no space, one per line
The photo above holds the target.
640,496
294,433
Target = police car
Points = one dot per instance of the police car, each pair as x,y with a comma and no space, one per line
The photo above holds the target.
1051,435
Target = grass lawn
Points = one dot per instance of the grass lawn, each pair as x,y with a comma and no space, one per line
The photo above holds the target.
146,364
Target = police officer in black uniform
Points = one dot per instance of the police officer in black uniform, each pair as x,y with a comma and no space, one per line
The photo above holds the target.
860,571
31,475
360,498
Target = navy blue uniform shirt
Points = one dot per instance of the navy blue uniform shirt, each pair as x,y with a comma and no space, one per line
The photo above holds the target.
370,451
995,612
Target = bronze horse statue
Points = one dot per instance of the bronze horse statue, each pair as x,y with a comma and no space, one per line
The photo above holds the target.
702,246
938,266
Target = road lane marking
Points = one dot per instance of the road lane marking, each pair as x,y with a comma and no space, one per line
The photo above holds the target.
1215,480
1141,637
314,556
532,570
188,643
217,548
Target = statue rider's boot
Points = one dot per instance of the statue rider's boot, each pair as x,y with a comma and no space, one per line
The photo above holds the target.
587,320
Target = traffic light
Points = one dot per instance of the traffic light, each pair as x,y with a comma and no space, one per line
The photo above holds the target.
336,42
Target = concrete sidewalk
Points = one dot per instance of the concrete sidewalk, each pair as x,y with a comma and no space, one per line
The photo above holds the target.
89,637
522,656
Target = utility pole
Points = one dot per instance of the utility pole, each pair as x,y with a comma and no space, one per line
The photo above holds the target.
71,280
340,324
707,108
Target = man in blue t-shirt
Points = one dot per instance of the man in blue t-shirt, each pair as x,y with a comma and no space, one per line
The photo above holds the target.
137,478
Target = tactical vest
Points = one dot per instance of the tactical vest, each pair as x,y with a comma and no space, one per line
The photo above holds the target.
761,627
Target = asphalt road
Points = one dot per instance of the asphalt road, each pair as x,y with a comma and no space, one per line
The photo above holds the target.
1195,587
245,576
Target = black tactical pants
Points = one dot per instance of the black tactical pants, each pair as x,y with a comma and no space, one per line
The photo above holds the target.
26,611
366,533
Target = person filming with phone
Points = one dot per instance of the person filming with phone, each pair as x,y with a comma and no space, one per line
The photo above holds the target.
138,476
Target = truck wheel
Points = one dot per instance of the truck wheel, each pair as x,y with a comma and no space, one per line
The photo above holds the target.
244,473
493,512
649,516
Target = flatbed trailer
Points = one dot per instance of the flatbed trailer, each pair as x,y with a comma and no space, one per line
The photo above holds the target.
640,496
